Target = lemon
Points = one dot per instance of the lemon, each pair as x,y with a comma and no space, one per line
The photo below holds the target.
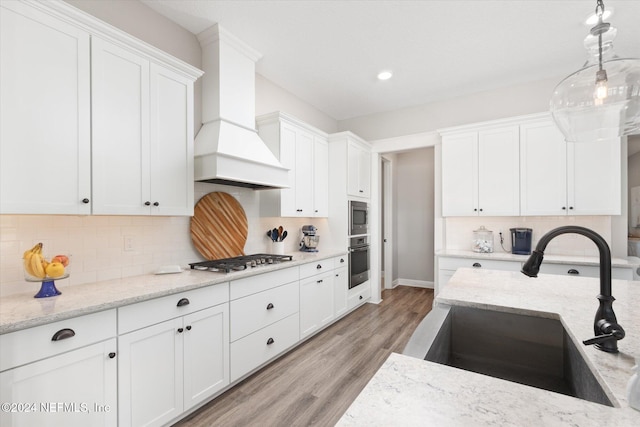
55,269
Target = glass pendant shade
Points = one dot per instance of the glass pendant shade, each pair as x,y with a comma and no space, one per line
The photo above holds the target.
602,100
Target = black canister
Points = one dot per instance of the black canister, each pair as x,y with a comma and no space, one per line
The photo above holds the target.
521,241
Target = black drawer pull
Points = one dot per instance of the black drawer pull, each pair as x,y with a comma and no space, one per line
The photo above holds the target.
156,204
270,341
341,260
112,355
573,271
269,306
319,281
360,297
183,302
63,334
477,265
318,267
147,203
180,330
188,327
85,200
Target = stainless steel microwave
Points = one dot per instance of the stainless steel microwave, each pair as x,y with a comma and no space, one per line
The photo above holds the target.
358,218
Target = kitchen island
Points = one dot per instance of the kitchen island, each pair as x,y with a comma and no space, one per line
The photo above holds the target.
409,391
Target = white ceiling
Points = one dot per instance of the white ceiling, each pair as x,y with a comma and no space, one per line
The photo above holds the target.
328,53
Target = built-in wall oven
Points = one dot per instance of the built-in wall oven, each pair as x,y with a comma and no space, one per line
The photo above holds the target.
358,218
358,261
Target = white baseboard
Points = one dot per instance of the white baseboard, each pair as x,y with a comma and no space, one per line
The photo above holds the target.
414,283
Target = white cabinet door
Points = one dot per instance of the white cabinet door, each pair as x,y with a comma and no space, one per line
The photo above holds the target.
120,133
150,379
316,303
543,170
171,142
288,137
304,174
594,178
206,353
320,177
340,291
44,114
459,174
78,388
499,172
358,170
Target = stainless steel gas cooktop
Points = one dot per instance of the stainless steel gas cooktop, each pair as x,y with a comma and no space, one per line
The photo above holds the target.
240,263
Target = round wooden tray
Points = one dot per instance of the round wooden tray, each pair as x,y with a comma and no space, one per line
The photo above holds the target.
219,226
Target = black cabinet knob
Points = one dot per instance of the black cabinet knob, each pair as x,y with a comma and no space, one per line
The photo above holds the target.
361,191
147,203
112,355
480,209
319,281
270,341
85,200
183,302
341,260
63,334
564,208
156,204
570,208
318,267
180,330
269,306
360,297
477,265
188,327
475,210
573,271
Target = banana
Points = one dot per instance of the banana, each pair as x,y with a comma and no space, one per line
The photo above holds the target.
33,262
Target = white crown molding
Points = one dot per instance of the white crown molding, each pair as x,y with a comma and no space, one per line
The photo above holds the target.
217,33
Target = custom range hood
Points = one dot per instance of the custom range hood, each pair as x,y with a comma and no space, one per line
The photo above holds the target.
228,149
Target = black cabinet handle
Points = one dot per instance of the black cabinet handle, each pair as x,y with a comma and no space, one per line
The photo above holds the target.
63,334
319,281
318,267
298,210
341,260
147,203
180,330
85,200
112,355
475,210
156,204
269,306
362,191
270,341
570,208
564,208
337,275
183,302
188,327
316,211
573,271
480,209
360,297
477,265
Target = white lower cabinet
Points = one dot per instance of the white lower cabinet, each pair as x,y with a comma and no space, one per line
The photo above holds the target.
61,374
316,303
340,290
447,266
167,368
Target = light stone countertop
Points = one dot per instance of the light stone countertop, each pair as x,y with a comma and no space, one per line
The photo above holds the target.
630,262
23,311
409,392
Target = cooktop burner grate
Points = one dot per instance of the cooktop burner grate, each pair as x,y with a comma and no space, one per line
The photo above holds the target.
240,263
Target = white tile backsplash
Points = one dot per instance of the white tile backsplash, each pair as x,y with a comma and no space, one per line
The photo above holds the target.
459,232
95,244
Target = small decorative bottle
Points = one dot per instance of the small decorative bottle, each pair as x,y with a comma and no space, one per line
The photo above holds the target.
633,388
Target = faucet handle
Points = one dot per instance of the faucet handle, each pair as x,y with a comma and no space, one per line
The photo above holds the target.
610,331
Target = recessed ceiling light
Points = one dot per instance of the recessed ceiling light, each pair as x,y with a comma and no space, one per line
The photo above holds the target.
593,18
385,75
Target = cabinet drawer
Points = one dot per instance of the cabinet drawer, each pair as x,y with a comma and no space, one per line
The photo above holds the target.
253,350
136,316
316,267
358,295
584,271
256,311
254,284
26,346
490,264
341,261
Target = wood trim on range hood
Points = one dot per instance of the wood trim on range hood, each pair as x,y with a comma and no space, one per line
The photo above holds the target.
228,149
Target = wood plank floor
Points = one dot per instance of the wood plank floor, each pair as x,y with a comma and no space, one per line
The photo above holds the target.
315,383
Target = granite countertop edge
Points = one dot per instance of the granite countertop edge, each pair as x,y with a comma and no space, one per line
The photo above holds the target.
23,311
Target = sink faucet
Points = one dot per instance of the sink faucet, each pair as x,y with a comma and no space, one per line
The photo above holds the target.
605,327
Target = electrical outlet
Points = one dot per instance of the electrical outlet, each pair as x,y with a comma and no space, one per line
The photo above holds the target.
128,243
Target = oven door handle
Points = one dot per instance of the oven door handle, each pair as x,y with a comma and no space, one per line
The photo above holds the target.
359,249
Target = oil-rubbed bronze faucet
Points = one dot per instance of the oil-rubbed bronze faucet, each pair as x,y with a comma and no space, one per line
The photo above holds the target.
605,327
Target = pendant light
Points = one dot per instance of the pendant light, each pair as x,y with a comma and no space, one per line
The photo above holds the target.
602,100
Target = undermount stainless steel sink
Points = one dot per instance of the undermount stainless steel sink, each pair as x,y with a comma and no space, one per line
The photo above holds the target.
524,349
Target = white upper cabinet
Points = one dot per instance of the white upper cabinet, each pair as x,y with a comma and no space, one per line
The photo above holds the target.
560,178
142,141
358,170
103,121
45,145
304,151
480,172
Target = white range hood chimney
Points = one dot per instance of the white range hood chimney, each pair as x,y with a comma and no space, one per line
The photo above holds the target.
228,149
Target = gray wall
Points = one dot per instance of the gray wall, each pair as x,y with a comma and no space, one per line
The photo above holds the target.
414,214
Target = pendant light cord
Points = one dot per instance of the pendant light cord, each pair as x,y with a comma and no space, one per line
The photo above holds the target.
599,13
